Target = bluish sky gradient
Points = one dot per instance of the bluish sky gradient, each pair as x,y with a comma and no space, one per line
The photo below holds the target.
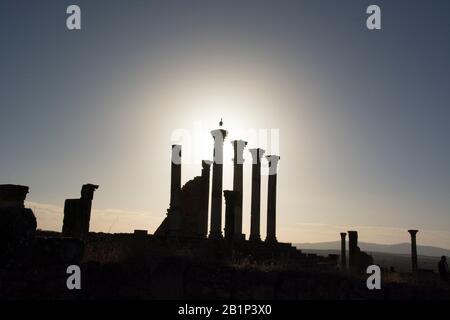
364,116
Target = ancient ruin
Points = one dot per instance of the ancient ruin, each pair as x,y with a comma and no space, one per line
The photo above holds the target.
219,136
187,215
238,161
413,234
343,251
256,195
19,245
17,225
272,198
77,213
231,198
358,260
182,258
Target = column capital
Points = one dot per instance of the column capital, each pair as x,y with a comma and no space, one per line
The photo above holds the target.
352,234
176,154
273,163
238,143
238,147
343,235
176,148
219,133
257,154
87,191
413,232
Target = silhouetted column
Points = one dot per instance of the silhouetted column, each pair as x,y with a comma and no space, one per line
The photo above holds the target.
272,198
238,161
77,213
343,251
175,176
256,195
87,195
219,136
174,211
413,234
353,251
230,213
206,165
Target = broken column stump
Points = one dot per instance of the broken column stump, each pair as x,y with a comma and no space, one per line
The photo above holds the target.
17,226
77,213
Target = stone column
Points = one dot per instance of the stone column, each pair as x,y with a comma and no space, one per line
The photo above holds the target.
343,251
238,161
413,234
77,213
219,136
230,214
206,165
353,251
175,176
272,198
256,195
87,195
174,211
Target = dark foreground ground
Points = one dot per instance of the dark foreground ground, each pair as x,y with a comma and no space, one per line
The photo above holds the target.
117,268
178,278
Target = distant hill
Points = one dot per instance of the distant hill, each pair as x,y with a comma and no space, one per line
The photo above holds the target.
400,248
401,262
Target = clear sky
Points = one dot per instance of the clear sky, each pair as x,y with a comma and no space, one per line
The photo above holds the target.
362,117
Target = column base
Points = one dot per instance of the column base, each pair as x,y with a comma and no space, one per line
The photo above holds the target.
271,240
215,236
255,238
239,237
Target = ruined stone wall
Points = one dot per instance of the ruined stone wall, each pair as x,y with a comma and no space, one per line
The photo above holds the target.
17,226
193,216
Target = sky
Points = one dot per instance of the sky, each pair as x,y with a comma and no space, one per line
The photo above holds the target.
360,118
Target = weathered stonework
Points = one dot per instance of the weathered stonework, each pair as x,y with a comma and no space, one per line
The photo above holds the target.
192,210
77,213
358,260
17,226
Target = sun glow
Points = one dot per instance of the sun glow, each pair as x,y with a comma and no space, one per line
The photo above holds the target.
197,142
209,104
